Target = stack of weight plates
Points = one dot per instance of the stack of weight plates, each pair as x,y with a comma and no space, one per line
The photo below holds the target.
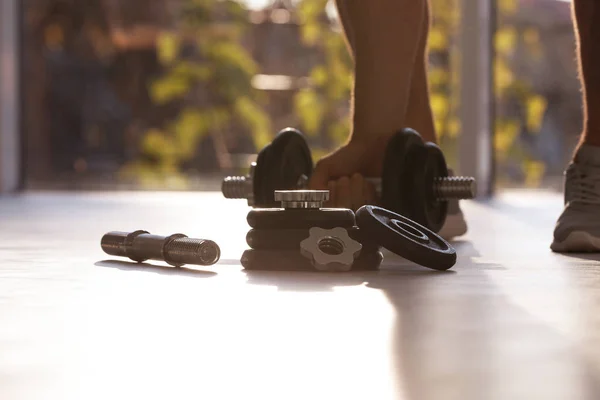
280,237
277,233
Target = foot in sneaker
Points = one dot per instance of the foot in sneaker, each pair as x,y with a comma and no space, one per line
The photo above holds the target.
578,227
455,224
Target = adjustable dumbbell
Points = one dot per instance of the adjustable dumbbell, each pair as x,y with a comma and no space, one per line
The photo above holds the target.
284,164
302,235
414,183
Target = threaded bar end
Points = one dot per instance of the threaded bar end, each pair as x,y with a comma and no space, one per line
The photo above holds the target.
192,251
455,187
236,187
115,243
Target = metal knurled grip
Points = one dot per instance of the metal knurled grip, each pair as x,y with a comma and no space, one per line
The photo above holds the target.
305,199
444,188
176,249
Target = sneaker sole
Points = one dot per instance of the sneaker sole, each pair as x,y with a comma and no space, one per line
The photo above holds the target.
454,226
577,242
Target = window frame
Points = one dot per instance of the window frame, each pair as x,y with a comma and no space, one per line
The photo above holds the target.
477,108
11,134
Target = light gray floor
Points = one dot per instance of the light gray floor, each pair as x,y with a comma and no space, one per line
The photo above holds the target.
510,321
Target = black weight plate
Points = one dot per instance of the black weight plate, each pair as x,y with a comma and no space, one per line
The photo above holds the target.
406,238
289,239
414,186
276,239
282,260
259,176
369,245
278,218
435,167
283,162
395,170
428,163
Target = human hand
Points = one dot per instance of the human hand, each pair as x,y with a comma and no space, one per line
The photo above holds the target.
344,173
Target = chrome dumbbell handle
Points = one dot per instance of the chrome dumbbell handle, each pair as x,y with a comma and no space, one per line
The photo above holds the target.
446,188
302,199
176,249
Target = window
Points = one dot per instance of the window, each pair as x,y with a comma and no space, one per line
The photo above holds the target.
538,101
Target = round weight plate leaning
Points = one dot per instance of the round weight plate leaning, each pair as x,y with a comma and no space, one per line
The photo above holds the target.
435,167
281,260
278,218
406,238
394,194
281,165
289,239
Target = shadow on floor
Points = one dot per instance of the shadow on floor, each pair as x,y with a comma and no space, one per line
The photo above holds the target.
465,248
457,327
392,267
583,256
157,269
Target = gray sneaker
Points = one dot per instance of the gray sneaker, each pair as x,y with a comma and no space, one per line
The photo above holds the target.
578,227
455,224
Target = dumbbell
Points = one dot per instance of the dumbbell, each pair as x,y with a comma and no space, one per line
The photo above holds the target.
284,164
414,183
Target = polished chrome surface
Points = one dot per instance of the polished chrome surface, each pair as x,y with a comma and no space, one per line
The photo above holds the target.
304,199
302,195
240,187
330,250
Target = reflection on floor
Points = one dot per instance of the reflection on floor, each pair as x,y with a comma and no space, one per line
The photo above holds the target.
510,321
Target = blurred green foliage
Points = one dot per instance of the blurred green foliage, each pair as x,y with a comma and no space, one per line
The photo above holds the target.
516,43
323,108
208,76
444,74
213,86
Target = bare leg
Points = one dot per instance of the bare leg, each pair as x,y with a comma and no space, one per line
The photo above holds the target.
388,39
578,226
418,114
382,36
587,21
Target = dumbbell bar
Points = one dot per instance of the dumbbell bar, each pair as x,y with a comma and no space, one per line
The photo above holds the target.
177,249
285,173
447,188
414,181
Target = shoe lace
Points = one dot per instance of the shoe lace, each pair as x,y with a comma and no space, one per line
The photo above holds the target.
584,184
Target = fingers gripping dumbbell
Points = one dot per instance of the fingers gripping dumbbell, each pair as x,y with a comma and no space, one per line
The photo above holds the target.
414,183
